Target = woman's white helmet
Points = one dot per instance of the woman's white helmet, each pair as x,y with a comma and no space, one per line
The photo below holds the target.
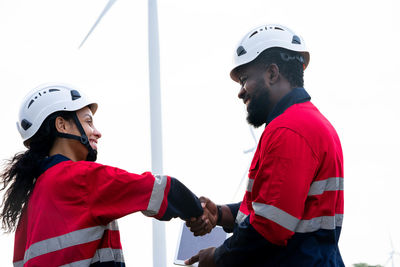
46,99
264,37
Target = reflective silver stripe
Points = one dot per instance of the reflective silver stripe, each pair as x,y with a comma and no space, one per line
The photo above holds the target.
276,215
157,195
250,183
19,263
108,254
101,255
82,263
295,225
323,222
113,226
240,217
63,241
331,184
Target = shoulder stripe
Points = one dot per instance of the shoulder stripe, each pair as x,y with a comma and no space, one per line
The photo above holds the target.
330,184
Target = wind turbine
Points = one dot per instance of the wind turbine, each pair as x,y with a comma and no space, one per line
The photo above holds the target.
159,247
392,253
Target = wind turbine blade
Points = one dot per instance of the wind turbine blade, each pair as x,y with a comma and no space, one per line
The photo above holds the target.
249,150
105,10
240,184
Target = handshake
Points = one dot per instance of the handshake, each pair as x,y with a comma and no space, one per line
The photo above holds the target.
206,222
212,215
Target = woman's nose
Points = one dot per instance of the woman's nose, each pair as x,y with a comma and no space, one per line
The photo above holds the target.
97,133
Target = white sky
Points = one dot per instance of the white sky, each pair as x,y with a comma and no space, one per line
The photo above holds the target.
352,78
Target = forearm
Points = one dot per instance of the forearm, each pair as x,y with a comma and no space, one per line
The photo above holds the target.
225,217
228,214
181,202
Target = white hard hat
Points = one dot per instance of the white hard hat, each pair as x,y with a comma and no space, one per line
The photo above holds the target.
46,99
264,37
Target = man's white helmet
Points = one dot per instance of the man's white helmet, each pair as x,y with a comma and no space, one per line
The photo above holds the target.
46,99
264,37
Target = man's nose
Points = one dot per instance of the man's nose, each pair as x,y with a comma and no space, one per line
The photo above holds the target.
242,92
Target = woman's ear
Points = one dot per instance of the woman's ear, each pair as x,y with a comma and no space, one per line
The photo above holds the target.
61,125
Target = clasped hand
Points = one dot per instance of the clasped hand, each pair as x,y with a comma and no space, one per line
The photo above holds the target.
206,222
201,226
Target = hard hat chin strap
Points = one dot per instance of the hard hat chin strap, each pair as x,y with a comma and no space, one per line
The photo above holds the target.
92,153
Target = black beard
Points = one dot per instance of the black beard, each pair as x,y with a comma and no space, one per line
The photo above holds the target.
257,109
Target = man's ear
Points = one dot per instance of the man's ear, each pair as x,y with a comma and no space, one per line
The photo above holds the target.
272,73
61,125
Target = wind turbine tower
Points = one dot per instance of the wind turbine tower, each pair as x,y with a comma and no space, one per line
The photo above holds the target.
159,244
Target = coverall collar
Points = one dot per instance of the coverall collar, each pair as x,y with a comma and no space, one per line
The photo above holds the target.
296,96
49,162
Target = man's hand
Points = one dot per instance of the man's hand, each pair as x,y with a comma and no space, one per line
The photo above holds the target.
205,223
205,257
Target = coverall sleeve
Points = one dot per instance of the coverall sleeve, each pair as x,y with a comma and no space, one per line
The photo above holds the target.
234,208
280,188
114,193
181,202
244,247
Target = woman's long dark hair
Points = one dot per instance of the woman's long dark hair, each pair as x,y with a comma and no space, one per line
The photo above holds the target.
22,170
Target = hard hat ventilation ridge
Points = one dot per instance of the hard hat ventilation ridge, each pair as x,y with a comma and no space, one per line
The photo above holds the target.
277,28
241,51
254,33
75,94
30,103
44,92
296,39
25,124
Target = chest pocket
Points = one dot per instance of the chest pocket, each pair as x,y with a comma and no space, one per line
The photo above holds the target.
254,166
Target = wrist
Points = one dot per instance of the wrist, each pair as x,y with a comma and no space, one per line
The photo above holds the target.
219,214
